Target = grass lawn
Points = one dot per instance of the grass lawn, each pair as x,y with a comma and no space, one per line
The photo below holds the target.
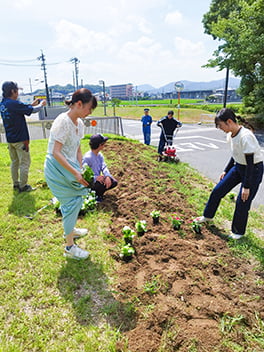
135,112
52,304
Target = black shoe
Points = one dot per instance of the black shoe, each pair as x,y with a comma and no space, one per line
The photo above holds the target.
99,199
16,188
26,188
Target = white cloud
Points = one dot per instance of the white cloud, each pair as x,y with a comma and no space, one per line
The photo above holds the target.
187,48
80,39
140,23
174,18
139,51
139,41
23,4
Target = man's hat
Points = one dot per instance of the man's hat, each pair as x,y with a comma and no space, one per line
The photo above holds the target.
170,112
96,140
146,109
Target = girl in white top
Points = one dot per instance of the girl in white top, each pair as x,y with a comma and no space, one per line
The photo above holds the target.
245,167
63,166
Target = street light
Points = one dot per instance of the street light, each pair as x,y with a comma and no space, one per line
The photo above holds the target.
103,84
179,86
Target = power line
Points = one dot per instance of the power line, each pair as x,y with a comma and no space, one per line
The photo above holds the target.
32,65
17,65
10,60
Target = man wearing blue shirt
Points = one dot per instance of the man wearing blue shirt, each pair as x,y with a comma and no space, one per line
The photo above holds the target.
13,114
146,126
103,180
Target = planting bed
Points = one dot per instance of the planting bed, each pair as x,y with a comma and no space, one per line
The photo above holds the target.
190,292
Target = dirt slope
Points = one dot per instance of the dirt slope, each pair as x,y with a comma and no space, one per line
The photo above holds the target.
195,281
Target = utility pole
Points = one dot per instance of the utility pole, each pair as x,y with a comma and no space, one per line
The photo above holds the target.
103,84
226,86
30,85
76,61
43,67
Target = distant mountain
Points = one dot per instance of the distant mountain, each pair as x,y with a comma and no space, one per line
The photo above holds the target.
190,86
145,88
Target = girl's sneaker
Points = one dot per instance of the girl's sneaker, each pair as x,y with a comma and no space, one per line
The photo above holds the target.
78,233
202,219
76,253
235,236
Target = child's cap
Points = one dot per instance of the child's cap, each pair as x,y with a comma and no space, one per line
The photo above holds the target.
96,140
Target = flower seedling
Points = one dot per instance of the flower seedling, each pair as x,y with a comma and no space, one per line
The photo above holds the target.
128,234
87,173
232,196
57,206
141,227
89,202
155,214
176,222
196,226
152,287
127,252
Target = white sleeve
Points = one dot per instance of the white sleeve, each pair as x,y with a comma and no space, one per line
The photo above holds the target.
60,129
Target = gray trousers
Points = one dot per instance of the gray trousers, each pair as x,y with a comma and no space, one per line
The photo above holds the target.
20,163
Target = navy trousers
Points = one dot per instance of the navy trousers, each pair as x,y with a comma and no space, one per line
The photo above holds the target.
235,176
100,188
146,132
163,141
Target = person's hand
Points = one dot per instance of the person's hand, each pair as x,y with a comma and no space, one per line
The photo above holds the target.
245,194
107,182
100,178
43,102
222,175
35,102
80,179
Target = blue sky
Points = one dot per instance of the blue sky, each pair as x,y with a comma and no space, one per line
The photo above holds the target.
119,41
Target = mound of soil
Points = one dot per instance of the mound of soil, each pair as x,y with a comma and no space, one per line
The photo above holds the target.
182,284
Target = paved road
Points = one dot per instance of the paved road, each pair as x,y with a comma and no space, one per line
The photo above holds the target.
202,146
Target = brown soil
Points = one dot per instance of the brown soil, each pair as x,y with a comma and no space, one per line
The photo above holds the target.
197,279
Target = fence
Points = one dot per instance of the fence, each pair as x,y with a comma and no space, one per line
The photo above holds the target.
51,112
40,129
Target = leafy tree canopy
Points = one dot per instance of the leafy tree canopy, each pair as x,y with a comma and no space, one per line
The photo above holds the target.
239,26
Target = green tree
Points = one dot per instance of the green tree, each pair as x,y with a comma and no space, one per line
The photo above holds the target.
239,26
116,101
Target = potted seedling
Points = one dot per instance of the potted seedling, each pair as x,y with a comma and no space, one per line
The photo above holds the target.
176,222
89,203
155,214
141,227
232,196
57,207
196,226
127,252
87,174
128,234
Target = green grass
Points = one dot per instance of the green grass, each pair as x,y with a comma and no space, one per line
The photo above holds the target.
187,113
50,304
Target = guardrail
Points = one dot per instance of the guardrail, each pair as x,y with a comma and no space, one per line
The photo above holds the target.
39,129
